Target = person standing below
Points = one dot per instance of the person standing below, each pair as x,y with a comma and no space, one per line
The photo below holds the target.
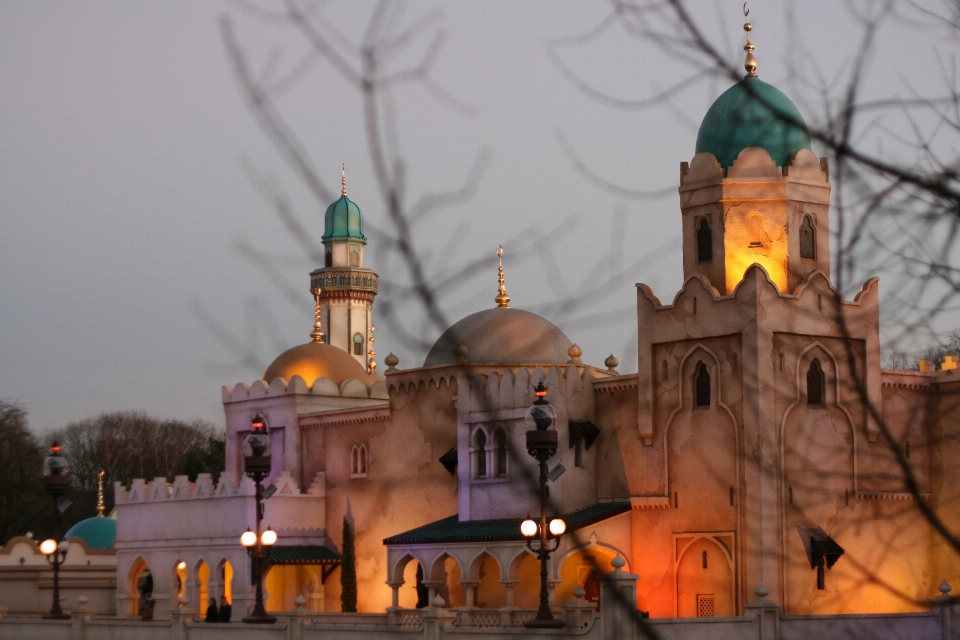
212,614
225,610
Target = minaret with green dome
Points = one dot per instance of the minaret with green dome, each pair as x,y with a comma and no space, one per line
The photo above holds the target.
346,288
754,192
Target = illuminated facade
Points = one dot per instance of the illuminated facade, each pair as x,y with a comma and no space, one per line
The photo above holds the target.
744,429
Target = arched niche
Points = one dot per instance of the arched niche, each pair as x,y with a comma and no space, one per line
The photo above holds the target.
705,577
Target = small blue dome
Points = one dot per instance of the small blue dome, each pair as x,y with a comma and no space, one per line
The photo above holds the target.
752,113
343,221
98,533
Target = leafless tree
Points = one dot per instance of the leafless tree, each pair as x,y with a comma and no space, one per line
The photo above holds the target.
22,501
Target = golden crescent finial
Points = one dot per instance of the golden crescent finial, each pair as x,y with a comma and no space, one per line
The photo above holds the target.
502,298
101,507
750,62
343,179
317,334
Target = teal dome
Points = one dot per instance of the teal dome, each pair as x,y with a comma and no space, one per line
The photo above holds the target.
98,533
752,113
343,221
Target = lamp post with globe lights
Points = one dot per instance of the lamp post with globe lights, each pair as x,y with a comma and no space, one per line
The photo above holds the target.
256,464
56,477
542,444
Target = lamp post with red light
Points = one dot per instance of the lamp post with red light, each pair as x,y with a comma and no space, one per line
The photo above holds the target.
56,477
542,444
256,464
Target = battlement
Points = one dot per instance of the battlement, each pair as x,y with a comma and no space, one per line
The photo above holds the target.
159,490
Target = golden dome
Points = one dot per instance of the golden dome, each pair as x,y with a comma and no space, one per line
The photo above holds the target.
316,360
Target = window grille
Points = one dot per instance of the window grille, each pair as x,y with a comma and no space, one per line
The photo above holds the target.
705,605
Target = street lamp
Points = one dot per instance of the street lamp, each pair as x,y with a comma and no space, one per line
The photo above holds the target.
56,476
542,444
256,464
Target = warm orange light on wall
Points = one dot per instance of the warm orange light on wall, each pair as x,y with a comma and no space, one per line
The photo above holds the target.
773,259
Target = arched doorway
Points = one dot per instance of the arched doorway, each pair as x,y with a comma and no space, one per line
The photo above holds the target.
580,569
447,575
489,593
414,594
705,578
139,586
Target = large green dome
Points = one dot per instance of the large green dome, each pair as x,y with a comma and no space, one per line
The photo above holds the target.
752,113
343,221
98,533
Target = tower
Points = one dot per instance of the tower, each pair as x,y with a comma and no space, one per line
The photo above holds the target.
346,288
754,192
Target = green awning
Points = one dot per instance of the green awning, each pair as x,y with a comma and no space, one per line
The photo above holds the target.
304,555
452,530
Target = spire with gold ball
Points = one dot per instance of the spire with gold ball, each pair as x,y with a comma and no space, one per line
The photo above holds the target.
502,298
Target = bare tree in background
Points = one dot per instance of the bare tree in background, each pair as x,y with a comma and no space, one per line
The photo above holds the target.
23,502
128,445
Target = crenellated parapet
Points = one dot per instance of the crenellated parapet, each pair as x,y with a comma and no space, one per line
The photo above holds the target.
351,388
160,490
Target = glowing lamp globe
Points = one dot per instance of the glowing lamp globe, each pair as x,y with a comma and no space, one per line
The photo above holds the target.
48,546
557,527
63,546
248,539
269,537
529,528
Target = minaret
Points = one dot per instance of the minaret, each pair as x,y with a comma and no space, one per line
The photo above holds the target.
754,192
343,288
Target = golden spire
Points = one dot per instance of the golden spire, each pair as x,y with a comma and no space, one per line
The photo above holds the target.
317,333
371,363
100,505
749,63
502,298
343,179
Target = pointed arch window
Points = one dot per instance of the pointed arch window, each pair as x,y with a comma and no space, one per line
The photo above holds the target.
499,453
704,242
755,230
357,344
328,259
479,454
808,239
354,257
703,386
816,383
359,461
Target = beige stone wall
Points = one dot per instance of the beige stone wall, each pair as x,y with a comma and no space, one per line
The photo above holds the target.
406,487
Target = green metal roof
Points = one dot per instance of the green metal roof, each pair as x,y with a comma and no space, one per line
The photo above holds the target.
752,113
304,555
452,530
98,532
343,221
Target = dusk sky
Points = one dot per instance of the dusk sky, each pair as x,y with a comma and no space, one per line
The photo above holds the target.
129,221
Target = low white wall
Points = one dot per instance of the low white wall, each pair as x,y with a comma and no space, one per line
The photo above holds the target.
307,625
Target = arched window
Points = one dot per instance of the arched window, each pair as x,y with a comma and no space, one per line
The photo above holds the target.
703,386
808,239
499,453
480,454
354,257
358,461
705,560
357,344
328,259
815,383
755,230
704,242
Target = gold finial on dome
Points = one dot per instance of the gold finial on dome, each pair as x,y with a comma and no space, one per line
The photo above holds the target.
101,507
502,298
343,179
749,63
372,365
317,334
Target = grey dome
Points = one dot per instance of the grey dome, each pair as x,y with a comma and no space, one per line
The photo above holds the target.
502,335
